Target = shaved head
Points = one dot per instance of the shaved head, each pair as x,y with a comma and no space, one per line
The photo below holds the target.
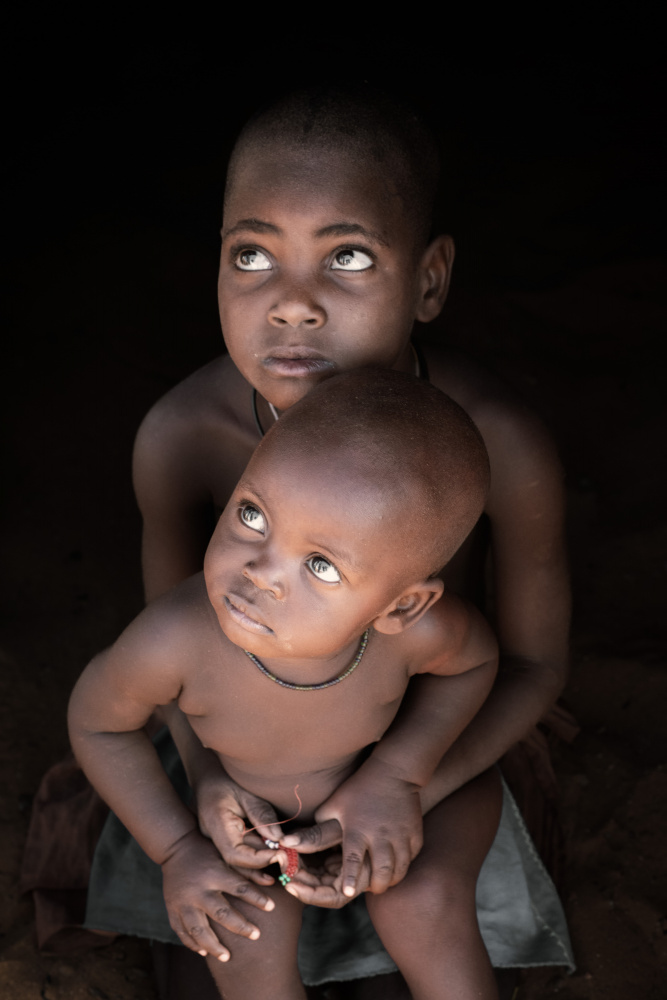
379,133
409,440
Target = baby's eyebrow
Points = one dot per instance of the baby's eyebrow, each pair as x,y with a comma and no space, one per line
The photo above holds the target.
341,556
351,229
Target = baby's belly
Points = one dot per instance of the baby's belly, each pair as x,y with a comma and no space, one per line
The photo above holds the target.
299,793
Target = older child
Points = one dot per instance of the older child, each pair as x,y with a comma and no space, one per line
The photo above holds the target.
327,261
290,656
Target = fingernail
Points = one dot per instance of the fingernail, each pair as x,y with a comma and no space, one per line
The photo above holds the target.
203,953
292,840
269,905
223,958
254,935
292,891
348,891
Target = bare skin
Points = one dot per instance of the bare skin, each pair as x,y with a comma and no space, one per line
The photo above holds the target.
195,442
302,615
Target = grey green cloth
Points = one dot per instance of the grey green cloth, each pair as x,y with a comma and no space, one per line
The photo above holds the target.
520,916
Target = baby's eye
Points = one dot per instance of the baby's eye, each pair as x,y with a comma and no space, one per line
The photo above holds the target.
351,260
323,569
252,260
252,517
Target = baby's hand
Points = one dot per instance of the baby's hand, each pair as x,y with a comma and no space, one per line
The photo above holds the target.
379,816
223,808
194,880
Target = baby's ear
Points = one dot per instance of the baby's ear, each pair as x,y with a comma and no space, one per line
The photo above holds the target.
435,272
413,603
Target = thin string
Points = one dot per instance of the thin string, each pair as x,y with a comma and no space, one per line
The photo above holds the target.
279,822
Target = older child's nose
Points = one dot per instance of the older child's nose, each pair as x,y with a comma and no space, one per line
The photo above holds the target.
296,308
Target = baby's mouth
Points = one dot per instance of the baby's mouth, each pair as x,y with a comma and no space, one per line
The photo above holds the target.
238,611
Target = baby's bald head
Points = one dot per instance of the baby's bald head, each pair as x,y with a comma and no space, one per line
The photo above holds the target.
403,437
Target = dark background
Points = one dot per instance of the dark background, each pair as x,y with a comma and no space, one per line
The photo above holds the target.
116,140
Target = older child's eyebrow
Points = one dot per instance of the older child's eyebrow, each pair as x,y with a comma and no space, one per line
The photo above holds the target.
351,229
252,226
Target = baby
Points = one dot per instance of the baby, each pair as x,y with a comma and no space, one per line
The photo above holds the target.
290,656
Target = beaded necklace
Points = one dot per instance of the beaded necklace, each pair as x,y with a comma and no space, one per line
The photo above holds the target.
314,687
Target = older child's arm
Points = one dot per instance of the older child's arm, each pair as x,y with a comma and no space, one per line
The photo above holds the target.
177,512
531,594
379,809
110,704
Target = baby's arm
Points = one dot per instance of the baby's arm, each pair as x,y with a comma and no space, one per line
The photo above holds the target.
224,809
379,808
110,704
171,471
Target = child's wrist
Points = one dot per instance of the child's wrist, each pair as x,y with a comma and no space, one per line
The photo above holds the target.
187,839
393,770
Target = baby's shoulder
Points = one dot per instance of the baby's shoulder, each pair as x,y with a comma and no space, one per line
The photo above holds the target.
173,629
442,640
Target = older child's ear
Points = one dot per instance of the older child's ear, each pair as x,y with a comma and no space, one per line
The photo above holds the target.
409,607
435,273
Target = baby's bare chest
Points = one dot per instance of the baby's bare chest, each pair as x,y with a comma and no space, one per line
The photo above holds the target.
257,724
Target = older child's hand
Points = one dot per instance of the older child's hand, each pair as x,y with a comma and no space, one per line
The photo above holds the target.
223,808
194,880
377,815
320,885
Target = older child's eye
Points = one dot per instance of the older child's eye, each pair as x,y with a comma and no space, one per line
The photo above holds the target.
351,260
252,260
323,569
252,517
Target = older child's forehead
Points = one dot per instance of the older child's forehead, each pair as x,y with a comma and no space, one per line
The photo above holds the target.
329,188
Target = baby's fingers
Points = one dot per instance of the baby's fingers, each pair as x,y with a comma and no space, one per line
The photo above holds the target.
384,867
195,932
326,834
354,857
248,857
262,817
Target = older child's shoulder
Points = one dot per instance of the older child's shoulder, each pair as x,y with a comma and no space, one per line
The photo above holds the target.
521,451
213,396
201,431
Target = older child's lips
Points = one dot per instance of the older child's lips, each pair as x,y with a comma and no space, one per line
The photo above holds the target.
297,361
238,612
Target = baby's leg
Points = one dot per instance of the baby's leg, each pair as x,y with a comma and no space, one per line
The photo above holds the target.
265,969
428,923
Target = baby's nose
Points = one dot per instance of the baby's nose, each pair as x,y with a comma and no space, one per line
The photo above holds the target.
264,576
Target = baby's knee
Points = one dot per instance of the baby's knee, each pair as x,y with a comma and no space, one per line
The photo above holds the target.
429,895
